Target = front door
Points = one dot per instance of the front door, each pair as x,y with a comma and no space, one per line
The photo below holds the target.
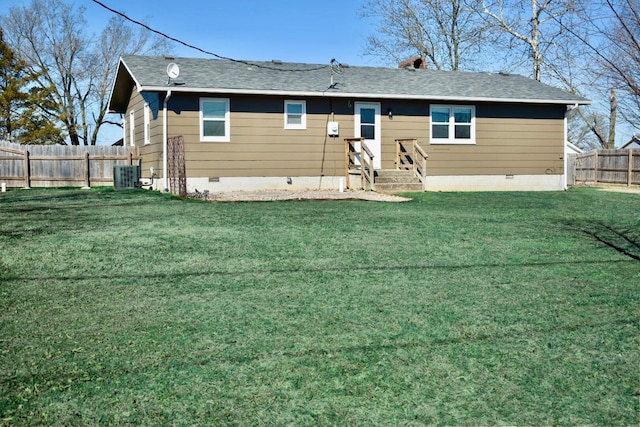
367,126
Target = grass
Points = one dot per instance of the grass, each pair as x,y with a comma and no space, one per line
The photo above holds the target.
134,308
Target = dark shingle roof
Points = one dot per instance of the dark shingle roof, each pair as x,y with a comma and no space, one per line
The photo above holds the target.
223,76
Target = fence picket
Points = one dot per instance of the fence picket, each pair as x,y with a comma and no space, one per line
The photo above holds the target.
608,167
61,165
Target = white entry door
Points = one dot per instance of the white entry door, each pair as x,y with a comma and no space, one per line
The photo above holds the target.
367,126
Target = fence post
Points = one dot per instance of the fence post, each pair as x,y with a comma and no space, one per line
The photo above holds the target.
630,169
87,170
27,169
595,167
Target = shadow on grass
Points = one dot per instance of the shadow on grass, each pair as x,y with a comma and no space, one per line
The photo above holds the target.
345,269
621,240
466,339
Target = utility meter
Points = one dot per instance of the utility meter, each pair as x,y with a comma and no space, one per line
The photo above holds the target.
333,129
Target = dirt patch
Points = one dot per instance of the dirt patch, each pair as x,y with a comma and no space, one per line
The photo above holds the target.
632,189
269,196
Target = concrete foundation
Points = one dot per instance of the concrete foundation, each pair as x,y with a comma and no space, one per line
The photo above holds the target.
496,183
434,183
282,183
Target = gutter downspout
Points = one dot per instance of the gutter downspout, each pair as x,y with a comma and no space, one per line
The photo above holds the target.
165,137
566,148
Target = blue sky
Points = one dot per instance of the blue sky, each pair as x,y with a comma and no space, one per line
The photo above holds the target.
297,31
311,31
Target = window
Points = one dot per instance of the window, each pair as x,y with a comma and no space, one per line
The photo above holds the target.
295,114
367,122
453,124
132,128
147,125
214,120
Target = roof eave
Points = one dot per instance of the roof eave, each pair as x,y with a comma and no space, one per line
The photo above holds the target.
120,90
332,93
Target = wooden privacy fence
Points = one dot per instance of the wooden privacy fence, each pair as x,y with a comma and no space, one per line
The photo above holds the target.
608,167
61,165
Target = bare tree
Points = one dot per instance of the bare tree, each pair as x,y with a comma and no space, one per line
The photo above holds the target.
591,127
531,29
607,35
612,38
50,36
621,61
448,34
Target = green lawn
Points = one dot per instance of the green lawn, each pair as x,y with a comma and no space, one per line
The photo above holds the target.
135,308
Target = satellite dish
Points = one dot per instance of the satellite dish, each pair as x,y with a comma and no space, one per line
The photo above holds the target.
173,71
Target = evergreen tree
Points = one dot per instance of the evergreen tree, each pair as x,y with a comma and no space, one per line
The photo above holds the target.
24,106
54,39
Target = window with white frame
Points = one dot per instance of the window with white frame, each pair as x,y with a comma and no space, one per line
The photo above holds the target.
132,128
295,114
147,124
453,124
214,120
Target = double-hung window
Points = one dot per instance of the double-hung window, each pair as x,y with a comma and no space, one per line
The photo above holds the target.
453,124
295,114
214,120
147,124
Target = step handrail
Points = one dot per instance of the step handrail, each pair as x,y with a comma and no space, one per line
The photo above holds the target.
364,165
411,156
367,171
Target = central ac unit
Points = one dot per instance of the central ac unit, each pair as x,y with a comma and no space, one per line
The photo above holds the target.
126,177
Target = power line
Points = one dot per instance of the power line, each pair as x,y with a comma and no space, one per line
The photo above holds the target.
206,52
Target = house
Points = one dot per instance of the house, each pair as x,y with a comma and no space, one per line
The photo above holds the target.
270,125
632,144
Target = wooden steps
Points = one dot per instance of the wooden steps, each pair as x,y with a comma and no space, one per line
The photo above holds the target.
391,181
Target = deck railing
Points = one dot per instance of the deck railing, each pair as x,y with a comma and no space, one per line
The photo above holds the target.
410,156
359,160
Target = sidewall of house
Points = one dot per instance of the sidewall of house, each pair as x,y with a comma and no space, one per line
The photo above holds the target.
151,152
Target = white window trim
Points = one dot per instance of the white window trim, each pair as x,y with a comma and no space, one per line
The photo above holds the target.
303,121
452,139
132,128
147,125
124,130
227,123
